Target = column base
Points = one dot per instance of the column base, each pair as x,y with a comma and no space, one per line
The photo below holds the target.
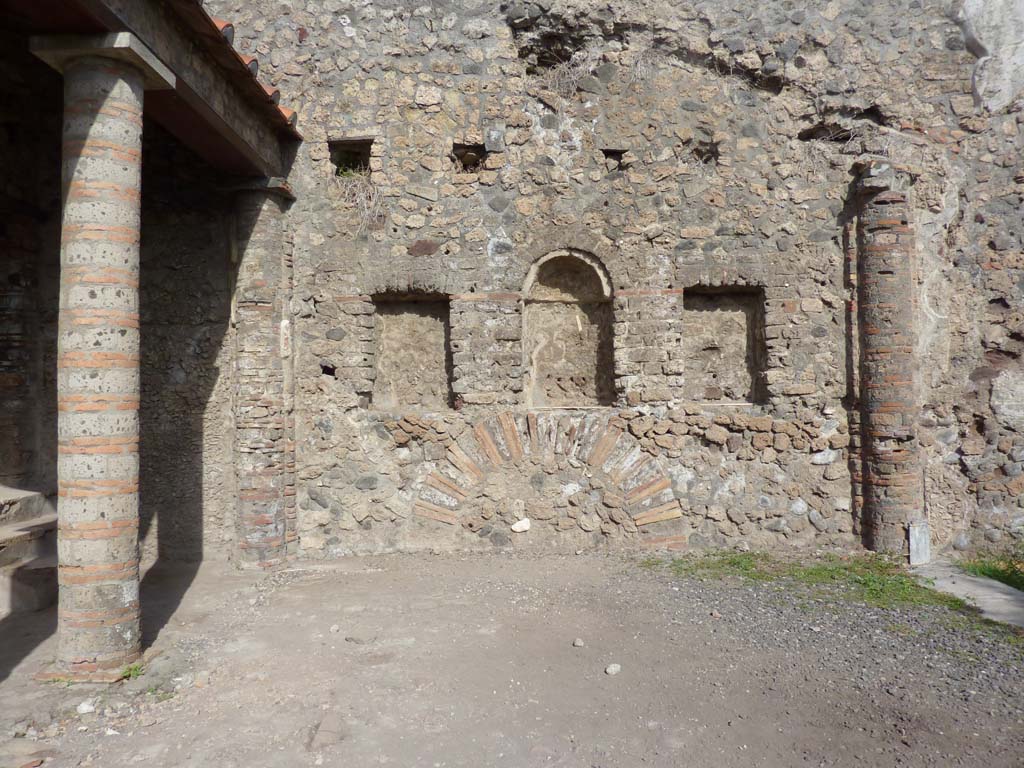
892,540
88,671
261,563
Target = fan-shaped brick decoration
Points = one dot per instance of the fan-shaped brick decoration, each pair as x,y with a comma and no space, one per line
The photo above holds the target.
498,469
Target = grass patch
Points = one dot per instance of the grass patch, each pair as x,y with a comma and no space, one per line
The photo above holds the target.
132,671
903,629
874,580
812,584
754,566
1007,566
871,579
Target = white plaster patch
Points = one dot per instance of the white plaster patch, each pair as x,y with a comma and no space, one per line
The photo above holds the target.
1008,398
570,488
734,484
681,476
994,32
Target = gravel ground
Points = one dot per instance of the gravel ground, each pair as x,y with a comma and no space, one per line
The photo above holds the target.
470,661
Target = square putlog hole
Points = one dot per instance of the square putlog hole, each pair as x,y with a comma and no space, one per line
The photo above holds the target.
350,156
469,158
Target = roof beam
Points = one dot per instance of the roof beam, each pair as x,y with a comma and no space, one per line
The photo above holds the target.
58,50
214,108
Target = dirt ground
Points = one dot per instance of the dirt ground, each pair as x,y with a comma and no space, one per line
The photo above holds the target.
470,661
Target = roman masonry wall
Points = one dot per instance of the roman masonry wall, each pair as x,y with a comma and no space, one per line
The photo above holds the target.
645,274
612,269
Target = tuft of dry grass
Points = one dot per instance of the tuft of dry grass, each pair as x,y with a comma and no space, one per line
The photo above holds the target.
645,65
356,191
564,79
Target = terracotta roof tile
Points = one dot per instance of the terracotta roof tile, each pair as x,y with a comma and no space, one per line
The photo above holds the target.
251,63
288,114
272,93
226,28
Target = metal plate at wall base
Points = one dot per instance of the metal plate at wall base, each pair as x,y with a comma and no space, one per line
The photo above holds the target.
920,543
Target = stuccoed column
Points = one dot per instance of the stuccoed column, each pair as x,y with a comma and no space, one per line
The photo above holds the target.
98,370
892,481
264,432
98,349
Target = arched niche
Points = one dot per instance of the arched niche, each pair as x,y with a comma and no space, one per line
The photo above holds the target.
567,332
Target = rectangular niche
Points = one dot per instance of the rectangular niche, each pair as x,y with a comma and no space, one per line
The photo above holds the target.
723,344
413,352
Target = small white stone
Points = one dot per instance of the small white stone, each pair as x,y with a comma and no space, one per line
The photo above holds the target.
827,456
86,707
612,669
522,526
335,628
577,643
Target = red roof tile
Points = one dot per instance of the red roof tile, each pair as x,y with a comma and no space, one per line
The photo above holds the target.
226,28
272,93
251,63
289,114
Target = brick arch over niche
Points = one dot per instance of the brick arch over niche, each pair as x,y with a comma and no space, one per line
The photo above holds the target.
563,470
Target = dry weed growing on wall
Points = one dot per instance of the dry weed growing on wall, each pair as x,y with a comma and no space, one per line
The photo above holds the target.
356,192
564,79
645,65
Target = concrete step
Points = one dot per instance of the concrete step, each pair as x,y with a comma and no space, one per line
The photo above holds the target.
29,538
28,551
995,600
28,585
17,505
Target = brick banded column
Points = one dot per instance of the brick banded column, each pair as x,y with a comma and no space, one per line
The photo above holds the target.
892,480
264,441
98,370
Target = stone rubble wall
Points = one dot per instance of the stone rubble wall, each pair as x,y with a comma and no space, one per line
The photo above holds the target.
29,241
187,475
680,145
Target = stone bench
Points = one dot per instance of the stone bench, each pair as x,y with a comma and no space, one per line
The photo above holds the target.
28,551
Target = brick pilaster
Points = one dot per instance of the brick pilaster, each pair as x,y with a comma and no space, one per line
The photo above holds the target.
891,478
263,398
